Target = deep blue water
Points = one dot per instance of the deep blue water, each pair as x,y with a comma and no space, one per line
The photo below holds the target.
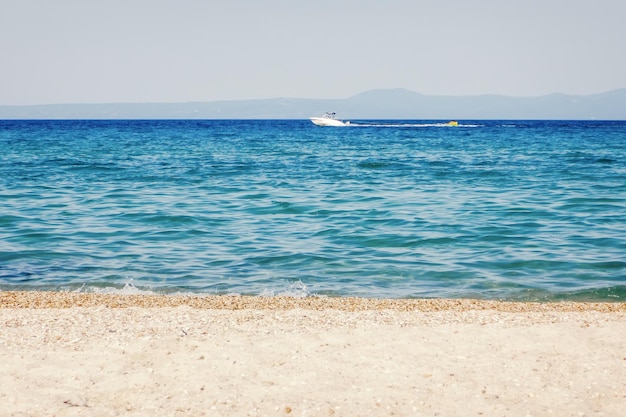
532,210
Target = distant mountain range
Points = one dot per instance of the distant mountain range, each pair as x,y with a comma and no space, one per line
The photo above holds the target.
374,104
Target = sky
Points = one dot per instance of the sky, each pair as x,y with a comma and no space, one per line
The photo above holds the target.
138,51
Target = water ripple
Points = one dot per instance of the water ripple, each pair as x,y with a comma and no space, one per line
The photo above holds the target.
531,211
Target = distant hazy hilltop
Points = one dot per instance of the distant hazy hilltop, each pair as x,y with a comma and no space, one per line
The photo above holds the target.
374,104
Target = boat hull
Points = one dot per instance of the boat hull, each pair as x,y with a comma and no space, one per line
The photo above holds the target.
325,121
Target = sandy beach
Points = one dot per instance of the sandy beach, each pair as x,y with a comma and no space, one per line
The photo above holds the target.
68,354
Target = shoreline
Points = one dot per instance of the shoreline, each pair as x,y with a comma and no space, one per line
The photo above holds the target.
51,299
74,354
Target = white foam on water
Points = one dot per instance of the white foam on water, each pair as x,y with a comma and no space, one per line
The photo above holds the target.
396,125
293,289
129,288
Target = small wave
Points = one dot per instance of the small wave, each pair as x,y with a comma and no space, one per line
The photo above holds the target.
615,293
295,289
129,288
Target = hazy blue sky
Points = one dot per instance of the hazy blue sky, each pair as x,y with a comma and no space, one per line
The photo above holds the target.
89,51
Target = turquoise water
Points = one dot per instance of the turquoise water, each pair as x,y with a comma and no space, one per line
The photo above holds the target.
532,210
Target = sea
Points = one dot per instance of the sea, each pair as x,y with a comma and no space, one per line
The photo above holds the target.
488,209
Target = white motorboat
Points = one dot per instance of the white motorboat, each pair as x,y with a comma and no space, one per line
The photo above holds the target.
328,119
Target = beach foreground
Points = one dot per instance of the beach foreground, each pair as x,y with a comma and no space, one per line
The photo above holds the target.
68,354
